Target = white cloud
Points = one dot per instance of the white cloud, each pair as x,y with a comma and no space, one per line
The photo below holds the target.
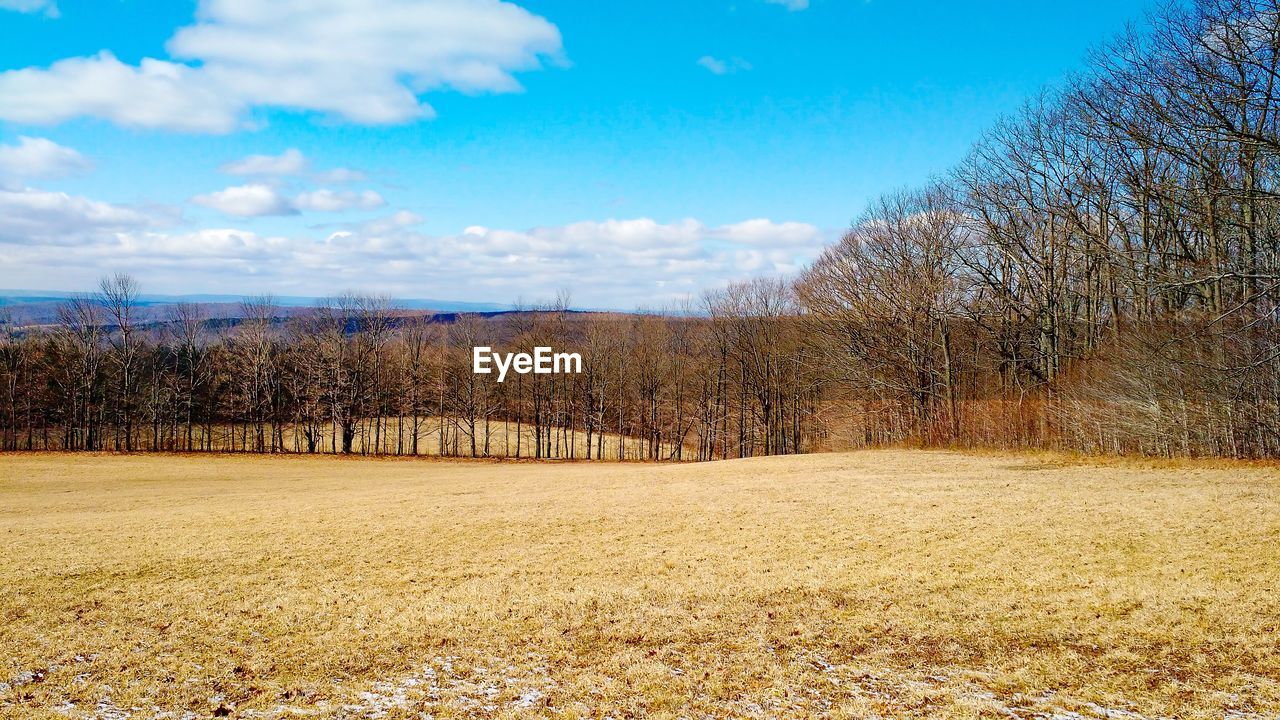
262,200
340,175
665,262
762,231
48,7
367,61
39,158
396,221
239,247
157,93
723,67
792,5
290,162
337,201
40,218
246,201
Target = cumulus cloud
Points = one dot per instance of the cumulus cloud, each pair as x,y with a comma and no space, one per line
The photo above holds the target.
335,201
247,201
290,163
48,7
39,158
262,200
40,218
339,175
723,67
665,262
228,246
154,94
396,221
762,231
367,61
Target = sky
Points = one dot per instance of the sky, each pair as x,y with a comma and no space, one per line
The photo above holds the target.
632,153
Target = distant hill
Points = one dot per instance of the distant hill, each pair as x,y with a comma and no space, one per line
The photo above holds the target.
35,307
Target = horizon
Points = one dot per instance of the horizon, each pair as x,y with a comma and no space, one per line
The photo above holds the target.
14,296
285,301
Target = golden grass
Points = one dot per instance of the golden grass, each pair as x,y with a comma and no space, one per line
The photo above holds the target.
890,583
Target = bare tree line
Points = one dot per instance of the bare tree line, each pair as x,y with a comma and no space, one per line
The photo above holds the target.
1100,273
356,374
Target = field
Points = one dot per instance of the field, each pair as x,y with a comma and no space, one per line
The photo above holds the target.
879,583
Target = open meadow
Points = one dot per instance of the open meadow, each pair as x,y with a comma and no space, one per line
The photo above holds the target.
879,583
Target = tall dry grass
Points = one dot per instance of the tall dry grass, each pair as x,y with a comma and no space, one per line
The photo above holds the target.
880,583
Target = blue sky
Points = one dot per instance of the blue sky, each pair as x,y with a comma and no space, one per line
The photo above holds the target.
633,153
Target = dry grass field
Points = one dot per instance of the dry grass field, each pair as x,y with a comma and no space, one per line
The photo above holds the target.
872,584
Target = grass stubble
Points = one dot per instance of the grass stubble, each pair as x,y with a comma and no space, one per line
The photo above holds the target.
889,583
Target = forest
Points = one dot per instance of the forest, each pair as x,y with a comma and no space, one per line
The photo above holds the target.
356,374
1100,274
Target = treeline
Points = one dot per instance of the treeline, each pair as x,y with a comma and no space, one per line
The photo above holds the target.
356,374
1100,273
